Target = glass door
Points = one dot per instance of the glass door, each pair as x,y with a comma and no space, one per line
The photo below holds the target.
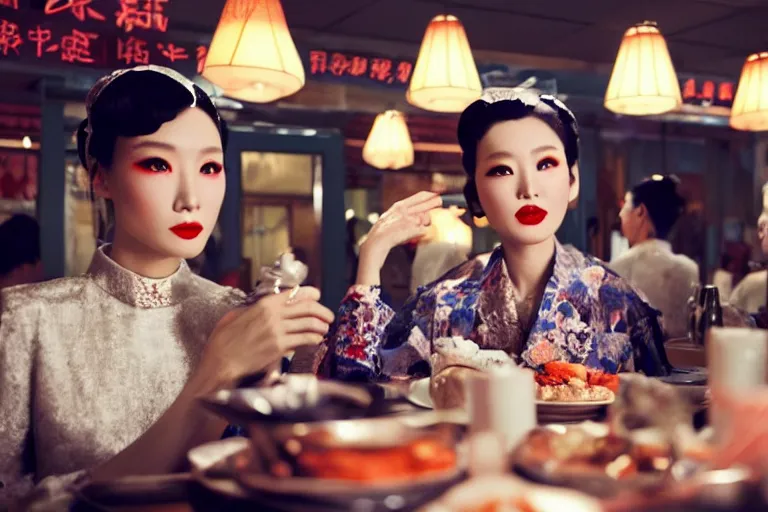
285,190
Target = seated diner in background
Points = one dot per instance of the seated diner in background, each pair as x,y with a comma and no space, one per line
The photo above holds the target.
536,300
650,211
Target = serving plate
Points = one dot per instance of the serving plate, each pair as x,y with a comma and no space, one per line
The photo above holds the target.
223,467
477,492
571,412
547,412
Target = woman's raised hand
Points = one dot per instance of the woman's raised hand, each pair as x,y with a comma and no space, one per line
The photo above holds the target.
253,339
406,220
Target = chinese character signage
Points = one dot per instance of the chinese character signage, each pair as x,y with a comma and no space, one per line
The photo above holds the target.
356,68
94,33
707,93
109,34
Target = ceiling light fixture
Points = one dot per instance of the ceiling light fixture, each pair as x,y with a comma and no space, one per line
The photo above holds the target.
389,143
445,78
750,105
252,56
643,81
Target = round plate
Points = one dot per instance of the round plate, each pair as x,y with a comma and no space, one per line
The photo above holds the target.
210,468
471,494
343,489
570,412
418,394
553,404
547,412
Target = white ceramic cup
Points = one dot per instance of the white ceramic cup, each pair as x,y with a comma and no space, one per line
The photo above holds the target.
502,401
737,360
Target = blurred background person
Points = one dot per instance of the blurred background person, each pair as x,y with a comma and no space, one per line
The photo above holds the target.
20,251
447,245
668,280
734,267
750,294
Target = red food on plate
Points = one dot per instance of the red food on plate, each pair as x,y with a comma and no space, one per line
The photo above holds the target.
607,380
415,459
570,382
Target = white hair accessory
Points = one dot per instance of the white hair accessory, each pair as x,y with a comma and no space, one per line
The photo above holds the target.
528,97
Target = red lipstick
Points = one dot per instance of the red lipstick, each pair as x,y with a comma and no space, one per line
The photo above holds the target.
187,230
530,215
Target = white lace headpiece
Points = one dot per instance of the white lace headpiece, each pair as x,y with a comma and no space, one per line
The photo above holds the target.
528,97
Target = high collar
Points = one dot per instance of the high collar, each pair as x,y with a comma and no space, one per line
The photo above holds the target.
135,290
652,244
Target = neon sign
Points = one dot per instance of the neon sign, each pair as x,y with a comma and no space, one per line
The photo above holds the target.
78,32
144,14
79,8
708,92
359,68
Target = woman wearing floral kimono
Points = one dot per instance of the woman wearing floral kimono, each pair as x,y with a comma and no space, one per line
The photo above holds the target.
536,300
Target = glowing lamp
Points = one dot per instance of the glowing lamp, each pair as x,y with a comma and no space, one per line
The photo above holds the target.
447,227
445,77
643,81
389,144
252,55
750,105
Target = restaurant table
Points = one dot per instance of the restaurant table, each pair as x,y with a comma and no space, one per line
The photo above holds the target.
683,353
749,498
195,498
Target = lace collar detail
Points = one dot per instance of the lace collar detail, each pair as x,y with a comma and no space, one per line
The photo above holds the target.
135,290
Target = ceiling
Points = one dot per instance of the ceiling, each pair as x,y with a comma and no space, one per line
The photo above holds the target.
704,36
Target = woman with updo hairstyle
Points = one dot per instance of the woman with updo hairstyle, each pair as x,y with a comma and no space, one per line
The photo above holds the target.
99,374
536,301
650,211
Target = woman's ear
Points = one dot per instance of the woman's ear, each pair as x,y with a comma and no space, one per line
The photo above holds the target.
573,195
100,184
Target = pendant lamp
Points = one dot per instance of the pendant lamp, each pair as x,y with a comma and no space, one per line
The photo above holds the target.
252,55
446,227
445,77
389,144
643,81
750,105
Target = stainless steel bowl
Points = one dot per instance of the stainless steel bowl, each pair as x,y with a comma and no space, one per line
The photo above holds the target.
295,398
366,433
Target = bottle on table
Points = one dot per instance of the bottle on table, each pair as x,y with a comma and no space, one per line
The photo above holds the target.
711,312
695,305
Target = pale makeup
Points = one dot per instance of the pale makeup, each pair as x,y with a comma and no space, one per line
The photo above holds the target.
173,178
521,163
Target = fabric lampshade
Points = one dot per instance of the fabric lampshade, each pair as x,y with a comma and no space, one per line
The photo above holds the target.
750,105
252,55
445,78
389,143
643,81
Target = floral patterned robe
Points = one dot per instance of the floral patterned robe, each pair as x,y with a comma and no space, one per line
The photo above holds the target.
588,315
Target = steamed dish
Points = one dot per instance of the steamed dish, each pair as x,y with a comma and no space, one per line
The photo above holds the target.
568,382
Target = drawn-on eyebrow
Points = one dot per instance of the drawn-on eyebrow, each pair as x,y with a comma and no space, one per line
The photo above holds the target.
507,154
169,147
